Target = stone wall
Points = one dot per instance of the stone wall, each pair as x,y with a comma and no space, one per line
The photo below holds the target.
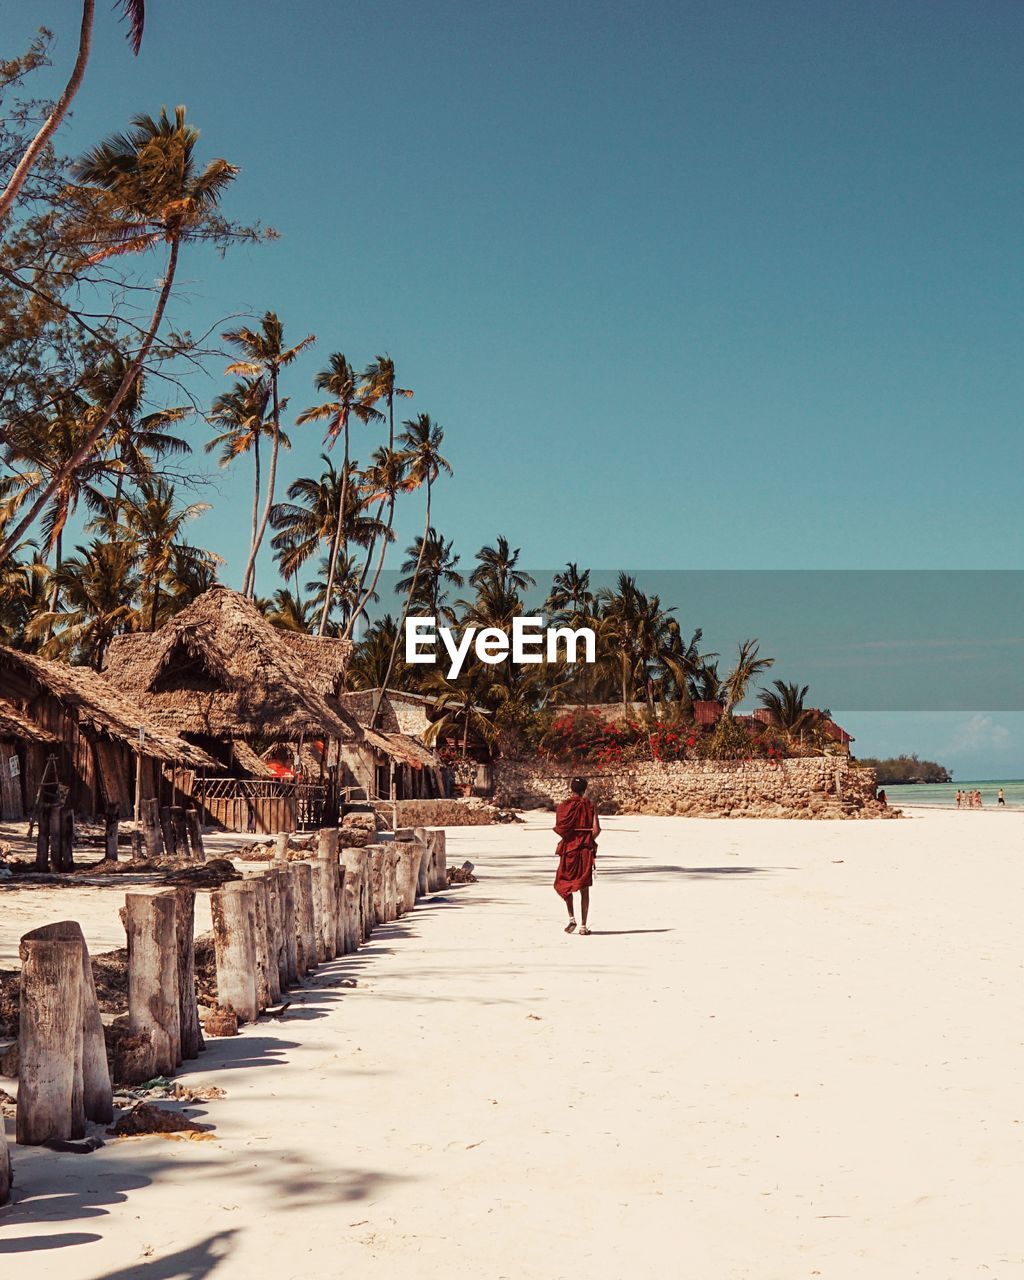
469,812
811,787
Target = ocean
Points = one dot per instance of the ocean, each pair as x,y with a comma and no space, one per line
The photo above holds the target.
944,793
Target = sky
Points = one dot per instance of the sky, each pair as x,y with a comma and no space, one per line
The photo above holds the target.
689,286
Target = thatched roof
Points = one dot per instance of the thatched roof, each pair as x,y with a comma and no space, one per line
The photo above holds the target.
401,747
220,669
100,706
400,711
323,659
15,725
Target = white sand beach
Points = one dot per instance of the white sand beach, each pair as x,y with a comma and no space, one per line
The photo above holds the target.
789,1049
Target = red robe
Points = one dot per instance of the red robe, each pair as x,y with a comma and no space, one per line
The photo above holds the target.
574,822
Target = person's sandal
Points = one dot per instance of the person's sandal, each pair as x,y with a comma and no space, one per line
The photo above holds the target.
584,930
570,926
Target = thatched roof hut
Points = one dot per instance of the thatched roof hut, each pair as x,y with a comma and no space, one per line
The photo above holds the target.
219,670
91,728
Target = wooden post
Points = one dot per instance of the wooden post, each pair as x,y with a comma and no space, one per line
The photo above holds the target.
67,838
111,817
423,876
302,873
153,1000
391,881
180,832
290,920
195,834
438,860
354,861
151,829
318,911
56,836
276,958
341,913
50,1101
43,838
188,1008
268,985
409,858
63,1058
281,847
377,877
5,1169
327,860
233,908
170,839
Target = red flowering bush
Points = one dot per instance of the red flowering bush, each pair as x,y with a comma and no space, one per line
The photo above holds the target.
585,736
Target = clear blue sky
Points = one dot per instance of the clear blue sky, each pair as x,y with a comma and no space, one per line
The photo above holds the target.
689,285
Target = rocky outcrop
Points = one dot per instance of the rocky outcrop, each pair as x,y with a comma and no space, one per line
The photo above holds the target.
810,787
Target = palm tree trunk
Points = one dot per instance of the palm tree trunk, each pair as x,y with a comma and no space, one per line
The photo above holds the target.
13,539
339,526
249,587
363,597
255,494
405,611
52,121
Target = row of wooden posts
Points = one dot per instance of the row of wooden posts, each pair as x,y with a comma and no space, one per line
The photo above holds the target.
270,929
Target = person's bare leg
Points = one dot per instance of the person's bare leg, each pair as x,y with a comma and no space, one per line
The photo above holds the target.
584,908
572,918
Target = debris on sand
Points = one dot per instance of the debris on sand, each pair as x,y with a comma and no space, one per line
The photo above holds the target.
129,1053
462,875
220,1022
144,1117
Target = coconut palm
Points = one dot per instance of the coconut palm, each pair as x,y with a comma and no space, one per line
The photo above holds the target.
370,656
240,417
141,188
347,589
748,666
570,600
135,12
633,635
421,444
431,567
461,704
288,613
98,588
382,481
379,384
339,381
263,354
24,594
787,708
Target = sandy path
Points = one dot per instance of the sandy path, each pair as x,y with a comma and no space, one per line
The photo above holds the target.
789,1050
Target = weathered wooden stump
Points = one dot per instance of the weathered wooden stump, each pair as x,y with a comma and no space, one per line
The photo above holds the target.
438,859
265,995
234,909
289,916
278,956
43,838
188,1008
281,847
409,857
341,910
423,875
327,861
63,1075
354,861
180,828
5,1168
111,820
305,921
167,832
195,834
149,816
153,992
391,882
376,854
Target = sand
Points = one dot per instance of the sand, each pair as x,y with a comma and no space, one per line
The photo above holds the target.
789,1049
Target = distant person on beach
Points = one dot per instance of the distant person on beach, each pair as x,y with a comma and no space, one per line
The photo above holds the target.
1000,797
576,822
882,798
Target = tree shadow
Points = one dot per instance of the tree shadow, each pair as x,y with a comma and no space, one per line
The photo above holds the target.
192,1263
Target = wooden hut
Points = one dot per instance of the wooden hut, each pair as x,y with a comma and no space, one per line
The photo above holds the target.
391,761
88,728
219,675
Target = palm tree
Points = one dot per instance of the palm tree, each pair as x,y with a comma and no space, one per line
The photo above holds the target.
24,594
635,635
570,599
421,444
461,705
748,666
288,613
787,708
346,591
339,381
379,384
98,588
151,523
370,656
383,480
135,12
431,567
142,187
241,415
311,518
497,570
264,355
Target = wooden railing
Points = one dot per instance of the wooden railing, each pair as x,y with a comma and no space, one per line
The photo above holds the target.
264,805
